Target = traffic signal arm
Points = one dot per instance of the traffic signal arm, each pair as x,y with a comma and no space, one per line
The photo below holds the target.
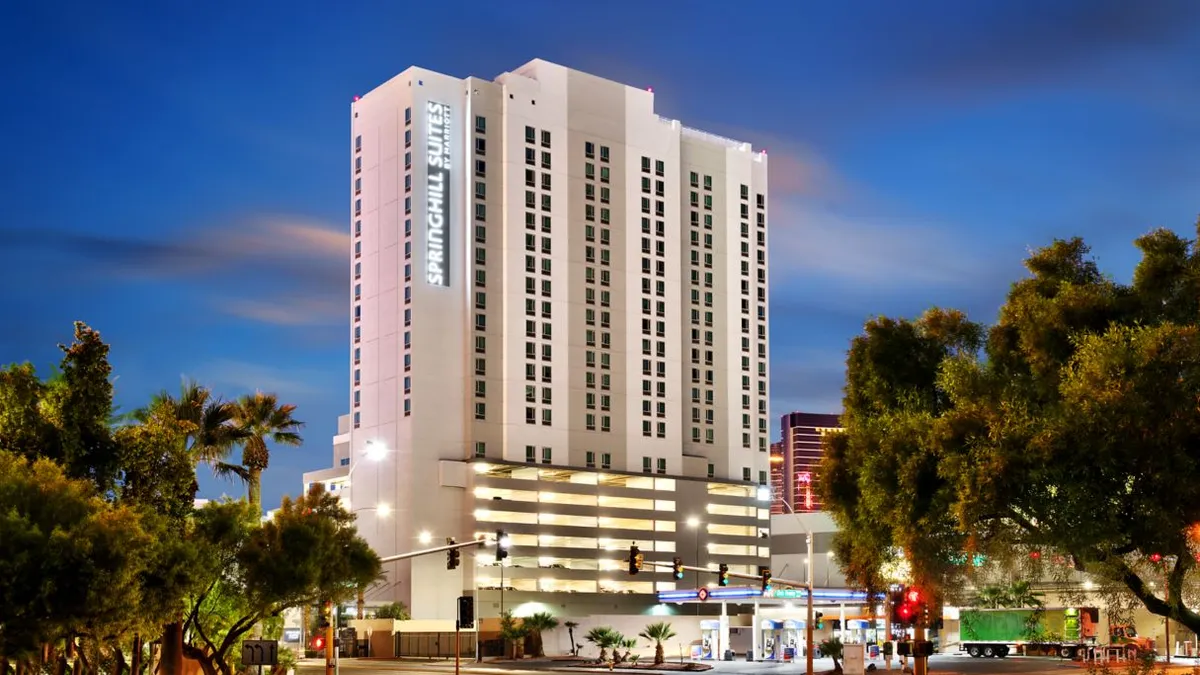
429,551
775,581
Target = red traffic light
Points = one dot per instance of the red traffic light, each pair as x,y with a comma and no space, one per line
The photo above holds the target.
1155,557
318,643
906,611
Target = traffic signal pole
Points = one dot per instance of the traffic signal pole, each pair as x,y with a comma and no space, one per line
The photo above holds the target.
429,551
808,624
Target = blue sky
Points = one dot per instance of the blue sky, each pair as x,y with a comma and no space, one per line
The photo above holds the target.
157,156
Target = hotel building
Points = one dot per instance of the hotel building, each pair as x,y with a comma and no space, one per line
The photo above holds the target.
558,330
796,459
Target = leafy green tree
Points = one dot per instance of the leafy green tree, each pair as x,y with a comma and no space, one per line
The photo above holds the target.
72,564
1067,438
396,610
261,420
658,633
308,553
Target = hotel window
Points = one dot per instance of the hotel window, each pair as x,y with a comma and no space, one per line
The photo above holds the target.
604,153
357,164
480,146
590,459
480,190
480,124
357,398
746,473
408,138
358,207
645,465
357,185
481,411
408,160
606,461
357,420
659,167
480,449
545,139
408,115
480,212
662,465
530,135
604,174
407,407
530,454
547,456
358,143
762,477
712,470
547,418
480,388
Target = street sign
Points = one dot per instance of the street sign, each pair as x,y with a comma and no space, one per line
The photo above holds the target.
702,594
260,653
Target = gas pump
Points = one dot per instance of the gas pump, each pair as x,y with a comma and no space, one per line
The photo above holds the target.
710,637
770,640
791,637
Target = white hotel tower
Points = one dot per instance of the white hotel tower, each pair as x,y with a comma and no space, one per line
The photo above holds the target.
559,330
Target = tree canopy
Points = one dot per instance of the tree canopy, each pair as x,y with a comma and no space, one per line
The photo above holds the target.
102,543
1066,435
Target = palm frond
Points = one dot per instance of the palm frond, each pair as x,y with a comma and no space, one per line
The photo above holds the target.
231,471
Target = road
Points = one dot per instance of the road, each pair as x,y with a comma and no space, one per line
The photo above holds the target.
944,663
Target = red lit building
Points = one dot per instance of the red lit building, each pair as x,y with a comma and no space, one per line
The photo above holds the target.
795,458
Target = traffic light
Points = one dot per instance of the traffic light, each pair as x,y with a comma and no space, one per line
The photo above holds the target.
466,611
819,618
765,573
502,542
323,623
636,560
905,614
453,555
677,567
723,575
317,642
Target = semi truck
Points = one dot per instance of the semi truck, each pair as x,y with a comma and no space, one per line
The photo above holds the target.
995,633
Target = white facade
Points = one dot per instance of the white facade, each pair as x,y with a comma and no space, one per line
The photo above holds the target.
555,292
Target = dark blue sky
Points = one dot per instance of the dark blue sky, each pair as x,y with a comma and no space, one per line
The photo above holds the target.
176,174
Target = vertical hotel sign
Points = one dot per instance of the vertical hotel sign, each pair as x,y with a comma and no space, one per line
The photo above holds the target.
437,191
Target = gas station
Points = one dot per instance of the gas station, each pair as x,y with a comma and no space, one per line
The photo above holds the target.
778,637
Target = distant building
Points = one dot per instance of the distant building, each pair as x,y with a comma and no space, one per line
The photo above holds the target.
795,459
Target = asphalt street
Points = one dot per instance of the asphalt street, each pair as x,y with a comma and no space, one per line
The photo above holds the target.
944,663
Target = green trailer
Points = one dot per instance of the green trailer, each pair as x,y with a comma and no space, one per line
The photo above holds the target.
995,633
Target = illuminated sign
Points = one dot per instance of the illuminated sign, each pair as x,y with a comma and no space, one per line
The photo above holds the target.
437,194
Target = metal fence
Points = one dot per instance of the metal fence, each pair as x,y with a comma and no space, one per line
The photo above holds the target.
434,645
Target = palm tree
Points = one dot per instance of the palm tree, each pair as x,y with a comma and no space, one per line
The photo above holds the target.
991,597
832,648
571,626
535,624
261,418
210,437
1021,594
625,643
211,420
603,637
658,632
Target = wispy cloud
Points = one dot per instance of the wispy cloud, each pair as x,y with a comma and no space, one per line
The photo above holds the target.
240,377
275,269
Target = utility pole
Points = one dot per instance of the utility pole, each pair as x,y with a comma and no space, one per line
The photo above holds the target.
330,667
808,624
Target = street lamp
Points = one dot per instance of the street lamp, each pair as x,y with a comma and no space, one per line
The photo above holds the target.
425,537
